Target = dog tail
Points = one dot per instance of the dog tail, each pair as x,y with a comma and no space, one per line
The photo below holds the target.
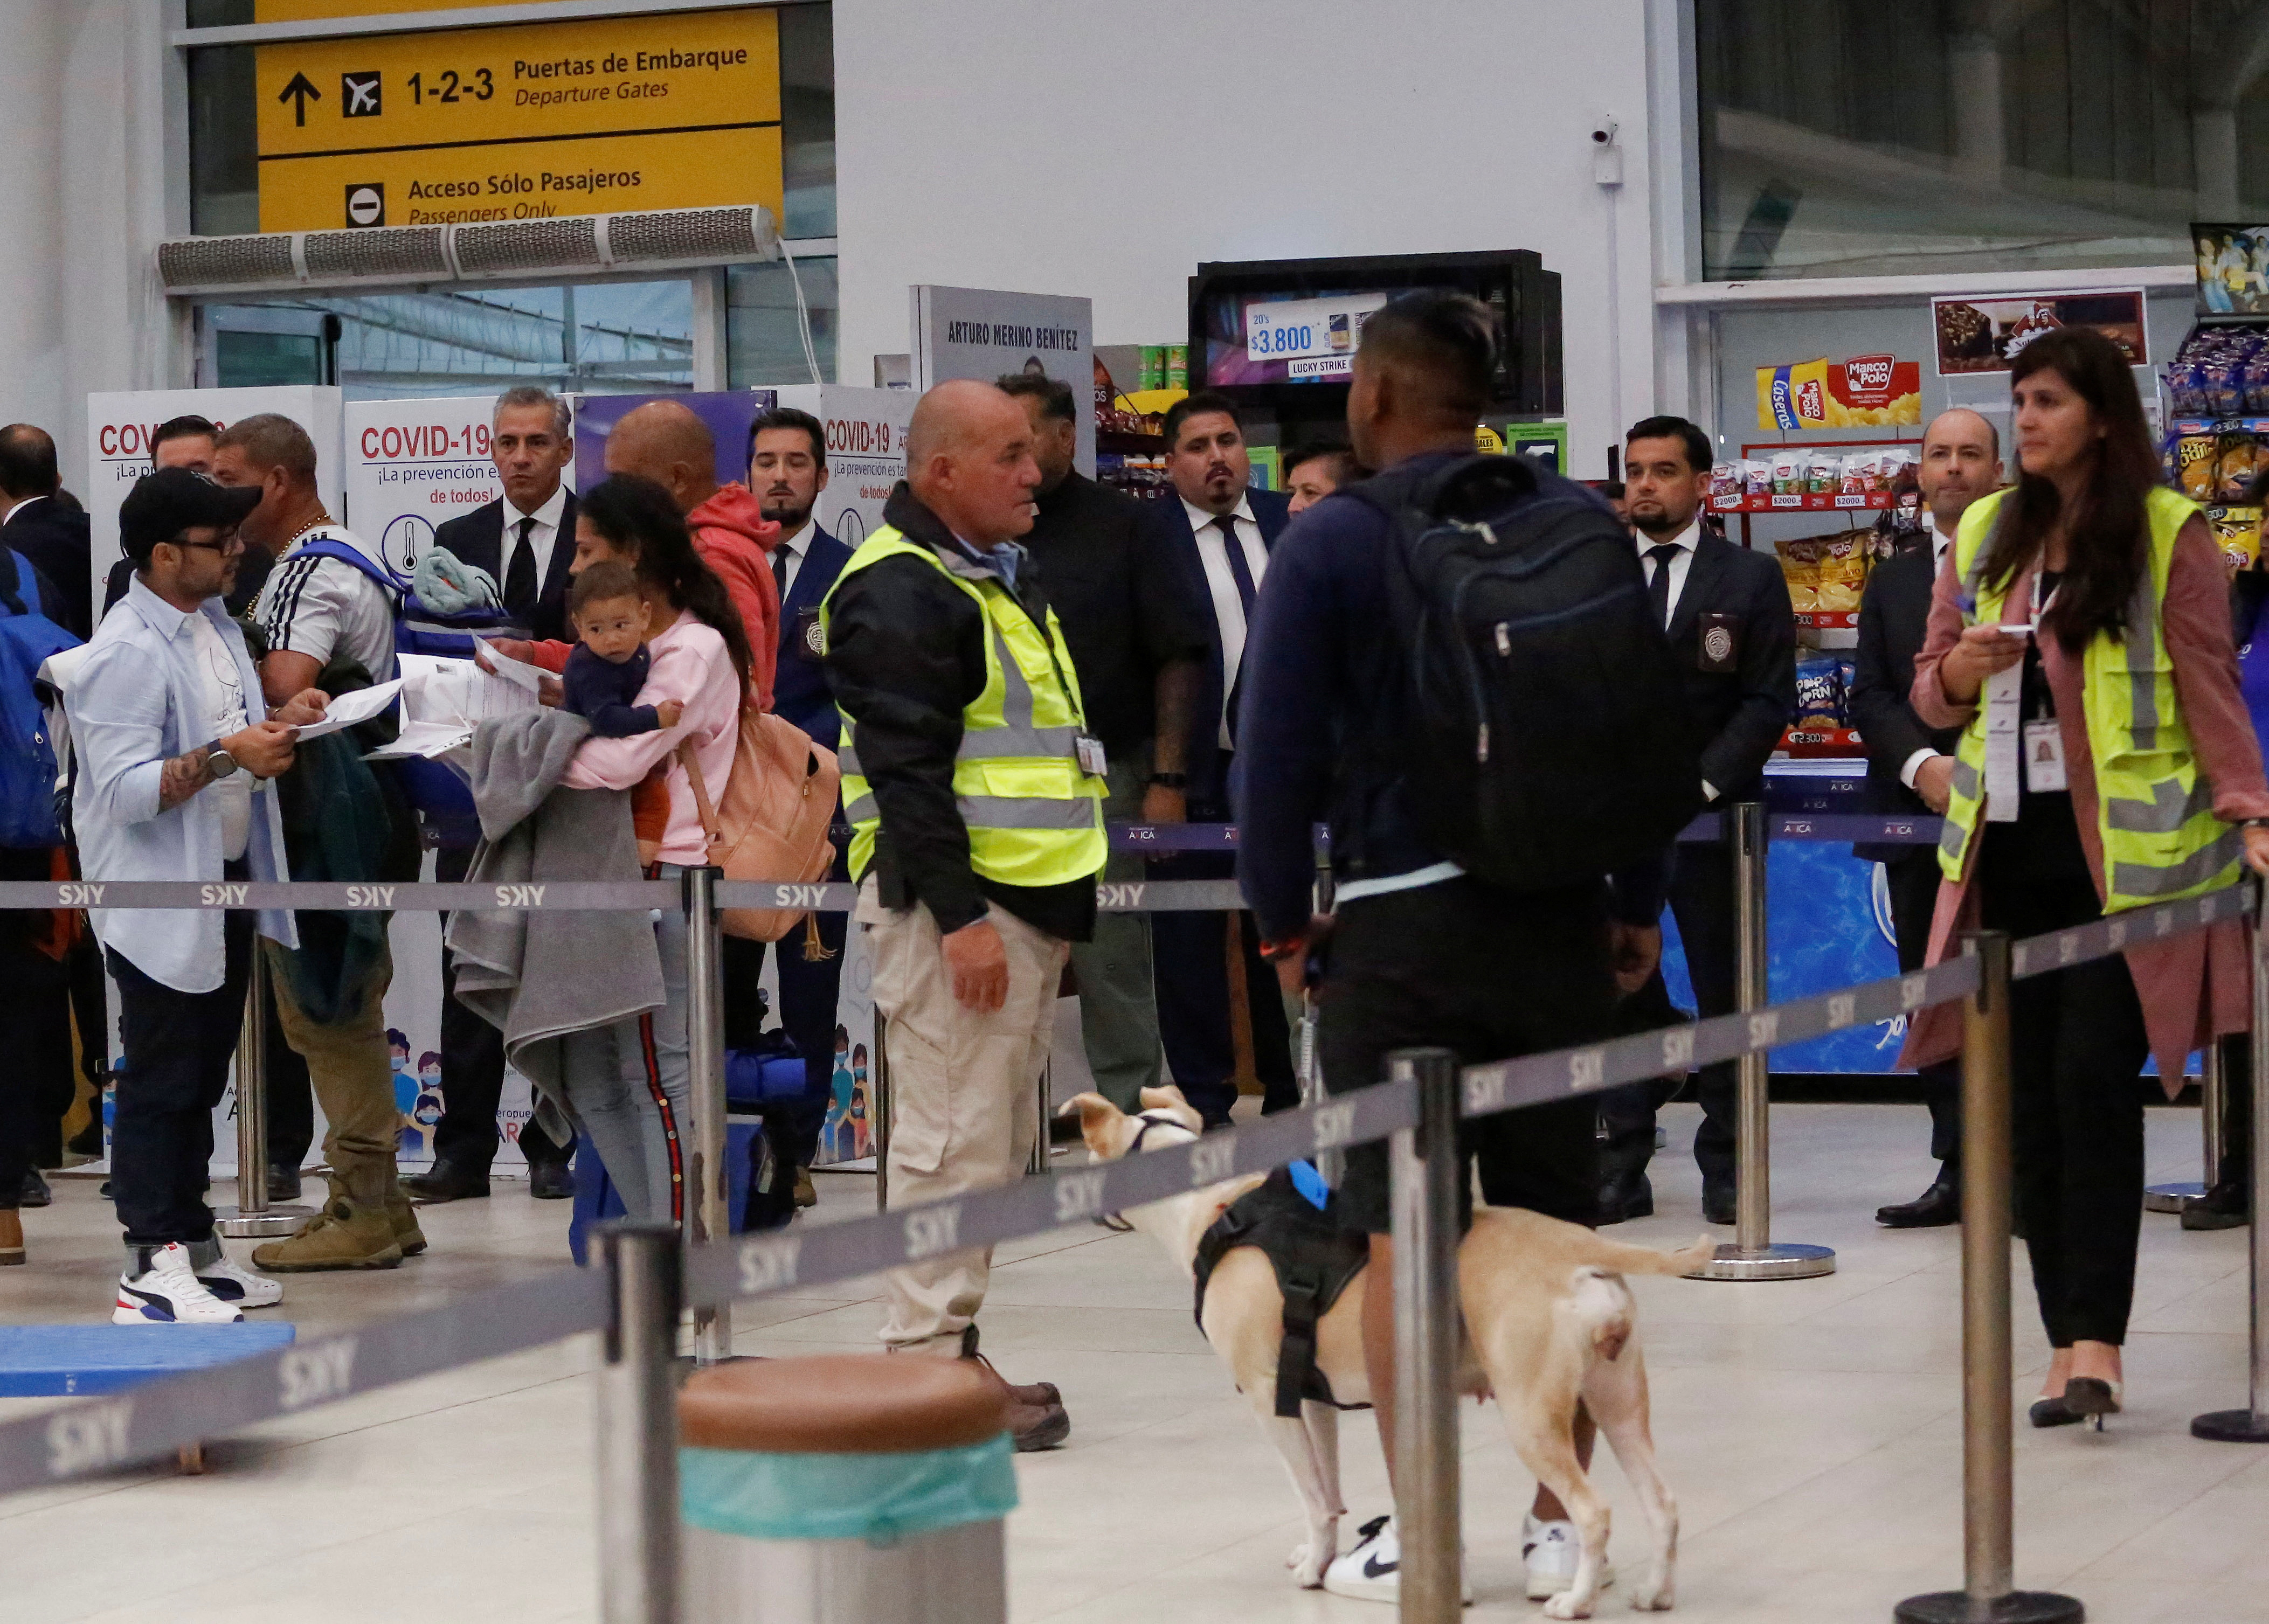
1625,1258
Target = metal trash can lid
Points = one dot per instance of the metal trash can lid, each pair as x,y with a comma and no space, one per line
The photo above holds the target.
842,1404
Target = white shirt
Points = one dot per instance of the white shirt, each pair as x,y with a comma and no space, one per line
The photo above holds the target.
791,549
543,535
1940,540
222,687
1685,541
1228,605
321,606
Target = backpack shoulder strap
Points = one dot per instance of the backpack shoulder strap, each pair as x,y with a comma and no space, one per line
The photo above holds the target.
331,547
691,762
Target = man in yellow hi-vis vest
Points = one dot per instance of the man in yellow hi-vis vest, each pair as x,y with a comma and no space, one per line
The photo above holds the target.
975,796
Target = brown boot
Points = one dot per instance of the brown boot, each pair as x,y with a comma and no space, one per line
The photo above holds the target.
403,1216
11,1236
347,1234
806,1194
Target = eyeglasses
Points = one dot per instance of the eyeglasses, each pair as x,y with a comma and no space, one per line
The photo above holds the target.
235,543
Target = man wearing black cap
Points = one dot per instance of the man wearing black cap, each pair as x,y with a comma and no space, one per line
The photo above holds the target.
175,746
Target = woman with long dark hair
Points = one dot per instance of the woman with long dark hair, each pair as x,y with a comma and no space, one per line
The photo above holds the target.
630,1084
2084,615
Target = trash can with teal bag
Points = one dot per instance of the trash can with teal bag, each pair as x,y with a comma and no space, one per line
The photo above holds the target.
851,1490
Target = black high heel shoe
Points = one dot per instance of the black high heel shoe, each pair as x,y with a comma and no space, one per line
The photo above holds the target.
2091,1398
2053,1413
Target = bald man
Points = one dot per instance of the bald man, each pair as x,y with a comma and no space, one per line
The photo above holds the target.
1909,765
975,796
664,441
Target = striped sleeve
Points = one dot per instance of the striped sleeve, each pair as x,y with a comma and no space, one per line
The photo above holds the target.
302,609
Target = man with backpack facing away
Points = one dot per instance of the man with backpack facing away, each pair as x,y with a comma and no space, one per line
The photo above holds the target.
323,615
1423,949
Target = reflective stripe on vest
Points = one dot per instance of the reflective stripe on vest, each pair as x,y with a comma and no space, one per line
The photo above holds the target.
2154,815
1034,816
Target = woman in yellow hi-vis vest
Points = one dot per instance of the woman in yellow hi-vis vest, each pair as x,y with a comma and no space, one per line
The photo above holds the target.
2079,635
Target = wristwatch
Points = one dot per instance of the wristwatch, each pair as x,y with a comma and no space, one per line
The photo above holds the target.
218,761
1170,780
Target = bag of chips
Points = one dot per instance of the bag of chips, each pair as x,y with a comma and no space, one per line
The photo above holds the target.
1757,476
1725,481
2196,466
1821,691
2237,532
2234,467
1788,473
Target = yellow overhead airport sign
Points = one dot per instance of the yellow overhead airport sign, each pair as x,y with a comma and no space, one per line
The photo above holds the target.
520,122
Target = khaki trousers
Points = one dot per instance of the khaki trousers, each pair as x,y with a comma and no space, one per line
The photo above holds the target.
347,1065
962,1114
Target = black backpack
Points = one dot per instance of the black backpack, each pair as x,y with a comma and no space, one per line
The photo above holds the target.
1549,741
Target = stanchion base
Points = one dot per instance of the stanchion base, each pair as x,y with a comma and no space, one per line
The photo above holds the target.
2169,1198
263,1225
1782,1260
2231,1426
2016,1607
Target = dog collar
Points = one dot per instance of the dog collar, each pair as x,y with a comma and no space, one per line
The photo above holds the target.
1150,1120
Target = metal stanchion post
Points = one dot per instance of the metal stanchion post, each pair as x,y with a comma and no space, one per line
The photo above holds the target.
2211,1097
639,1573
710,1197
1752,1256
1423,1172
2250,1425
1986,1597
879,1105
251,1217
1043,1103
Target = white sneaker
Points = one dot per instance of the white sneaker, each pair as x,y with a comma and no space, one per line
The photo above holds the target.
1373,1570
167,1292
231,1282
1552,1552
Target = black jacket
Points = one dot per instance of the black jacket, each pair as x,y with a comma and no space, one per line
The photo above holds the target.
1743,712
1272,511
55,539
906,655
1893,618
477,538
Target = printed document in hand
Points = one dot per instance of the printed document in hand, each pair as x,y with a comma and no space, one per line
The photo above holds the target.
444,700
349,710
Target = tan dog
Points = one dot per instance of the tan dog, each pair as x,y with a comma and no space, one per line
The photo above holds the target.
1549,1321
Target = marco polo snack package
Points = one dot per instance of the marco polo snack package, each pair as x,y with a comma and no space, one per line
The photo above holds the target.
1788,473
1725,481
1825,573
1823,473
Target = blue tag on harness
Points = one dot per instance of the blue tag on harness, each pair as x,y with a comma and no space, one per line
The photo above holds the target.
1309,1182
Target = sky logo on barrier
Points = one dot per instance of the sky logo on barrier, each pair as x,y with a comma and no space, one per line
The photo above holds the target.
768,1265
316,1375
1211,1161
1079,1195
1334,1127
931,1230
89,1438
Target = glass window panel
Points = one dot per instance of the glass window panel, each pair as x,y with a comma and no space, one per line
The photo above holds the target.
806,42
1844,137
265,360
763,340
594,338
220,13
224,151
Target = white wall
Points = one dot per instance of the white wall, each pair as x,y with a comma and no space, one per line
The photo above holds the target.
1101,148
82,208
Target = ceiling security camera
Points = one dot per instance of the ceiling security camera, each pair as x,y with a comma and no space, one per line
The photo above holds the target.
1604,132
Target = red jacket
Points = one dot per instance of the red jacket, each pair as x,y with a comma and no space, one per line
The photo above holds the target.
733,538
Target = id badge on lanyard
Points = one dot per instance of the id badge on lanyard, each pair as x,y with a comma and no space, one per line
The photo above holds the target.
2019,755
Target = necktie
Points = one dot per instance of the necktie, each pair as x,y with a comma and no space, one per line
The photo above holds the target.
1239,570
520,593
780,570
1657,585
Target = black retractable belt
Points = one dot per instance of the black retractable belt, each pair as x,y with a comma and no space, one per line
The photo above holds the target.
1314,1260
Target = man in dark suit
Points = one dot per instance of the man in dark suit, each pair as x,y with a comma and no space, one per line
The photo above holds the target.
46,525
787,469
525,540
1218,531
1731,627
1909,765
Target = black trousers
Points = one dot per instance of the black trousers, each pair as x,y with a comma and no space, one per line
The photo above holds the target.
37,1083
2237,1109
178,1046
808,990
1913,882
1189,968
1702,902
1493,976
472,1069
2077,1045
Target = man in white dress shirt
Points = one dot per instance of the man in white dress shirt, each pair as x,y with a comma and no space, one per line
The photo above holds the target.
1218,530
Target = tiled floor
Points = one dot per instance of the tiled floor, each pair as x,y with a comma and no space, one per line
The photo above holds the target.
1810,1429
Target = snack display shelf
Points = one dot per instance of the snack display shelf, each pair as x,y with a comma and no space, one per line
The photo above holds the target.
1837,744
1828,620
1800,502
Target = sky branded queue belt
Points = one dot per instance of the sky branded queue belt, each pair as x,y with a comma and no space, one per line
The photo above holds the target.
97,1435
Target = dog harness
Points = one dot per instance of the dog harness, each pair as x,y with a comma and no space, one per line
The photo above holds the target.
1314,1260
